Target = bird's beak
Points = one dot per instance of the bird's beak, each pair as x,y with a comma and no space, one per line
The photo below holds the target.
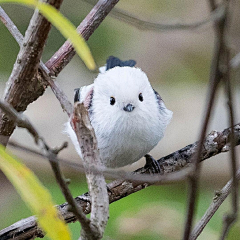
128,108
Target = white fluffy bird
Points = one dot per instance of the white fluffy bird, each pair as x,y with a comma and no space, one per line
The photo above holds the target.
128,116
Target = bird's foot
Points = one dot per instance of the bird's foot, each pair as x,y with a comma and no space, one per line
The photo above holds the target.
152,165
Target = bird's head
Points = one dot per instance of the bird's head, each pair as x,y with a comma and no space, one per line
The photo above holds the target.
123,92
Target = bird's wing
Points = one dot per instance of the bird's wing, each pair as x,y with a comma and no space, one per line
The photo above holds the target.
158,97
165,113
84,94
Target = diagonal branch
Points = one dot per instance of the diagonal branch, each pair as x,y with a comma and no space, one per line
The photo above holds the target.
215,143
37,83
64,55
51,154
22,83
219,198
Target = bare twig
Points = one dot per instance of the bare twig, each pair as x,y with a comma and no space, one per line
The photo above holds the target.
121,15
96,182
24,95
10,26
230,218
219,198
215,143
214,79
63,56
21,86
61,96
51,154
73,207
224,68
66,105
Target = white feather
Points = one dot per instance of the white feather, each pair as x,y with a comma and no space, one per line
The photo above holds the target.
124,137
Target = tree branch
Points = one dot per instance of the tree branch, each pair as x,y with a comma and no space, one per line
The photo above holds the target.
219,198
214,79
10,26
51,154
64,55
215,143
96,183
121,15
22,83
20,95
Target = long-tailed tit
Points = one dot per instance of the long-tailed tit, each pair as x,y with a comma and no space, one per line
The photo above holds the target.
128,116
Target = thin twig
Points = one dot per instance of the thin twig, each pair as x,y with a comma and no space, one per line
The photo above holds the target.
230,218
91,22
73,207
10,26
38,82
23,122
215,143
219,198
21,86
65,103
220,29
214,80
121,15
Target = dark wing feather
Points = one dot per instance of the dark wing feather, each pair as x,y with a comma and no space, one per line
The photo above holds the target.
76,95
158,97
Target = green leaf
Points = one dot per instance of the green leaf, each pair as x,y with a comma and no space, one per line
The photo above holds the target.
67,29
35,195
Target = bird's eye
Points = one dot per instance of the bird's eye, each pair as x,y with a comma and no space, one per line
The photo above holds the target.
140,97
112,100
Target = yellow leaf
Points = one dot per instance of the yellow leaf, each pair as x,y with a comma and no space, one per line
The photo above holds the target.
67,29
35,195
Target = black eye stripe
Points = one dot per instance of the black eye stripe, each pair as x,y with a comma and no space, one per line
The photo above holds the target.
140,97
112,100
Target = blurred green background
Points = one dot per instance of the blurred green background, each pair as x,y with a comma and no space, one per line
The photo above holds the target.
177,64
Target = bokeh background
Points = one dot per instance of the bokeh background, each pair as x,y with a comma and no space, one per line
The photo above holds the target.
177,64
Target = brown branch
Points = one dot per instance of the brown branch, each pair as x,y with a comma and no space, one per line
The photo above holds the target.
73,206
121,15
231,217
214,79
96,183
219,198
64,55
10,26
23,83
61,96
215,143
20,95
51,154
65,104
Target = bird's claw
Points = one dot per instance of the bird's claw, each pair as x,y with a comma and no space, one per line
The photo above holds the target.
152,165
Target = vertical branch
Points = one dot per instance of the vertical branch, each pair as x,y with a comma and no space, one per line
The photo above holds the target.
230,218
93,165
214,79
225,70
